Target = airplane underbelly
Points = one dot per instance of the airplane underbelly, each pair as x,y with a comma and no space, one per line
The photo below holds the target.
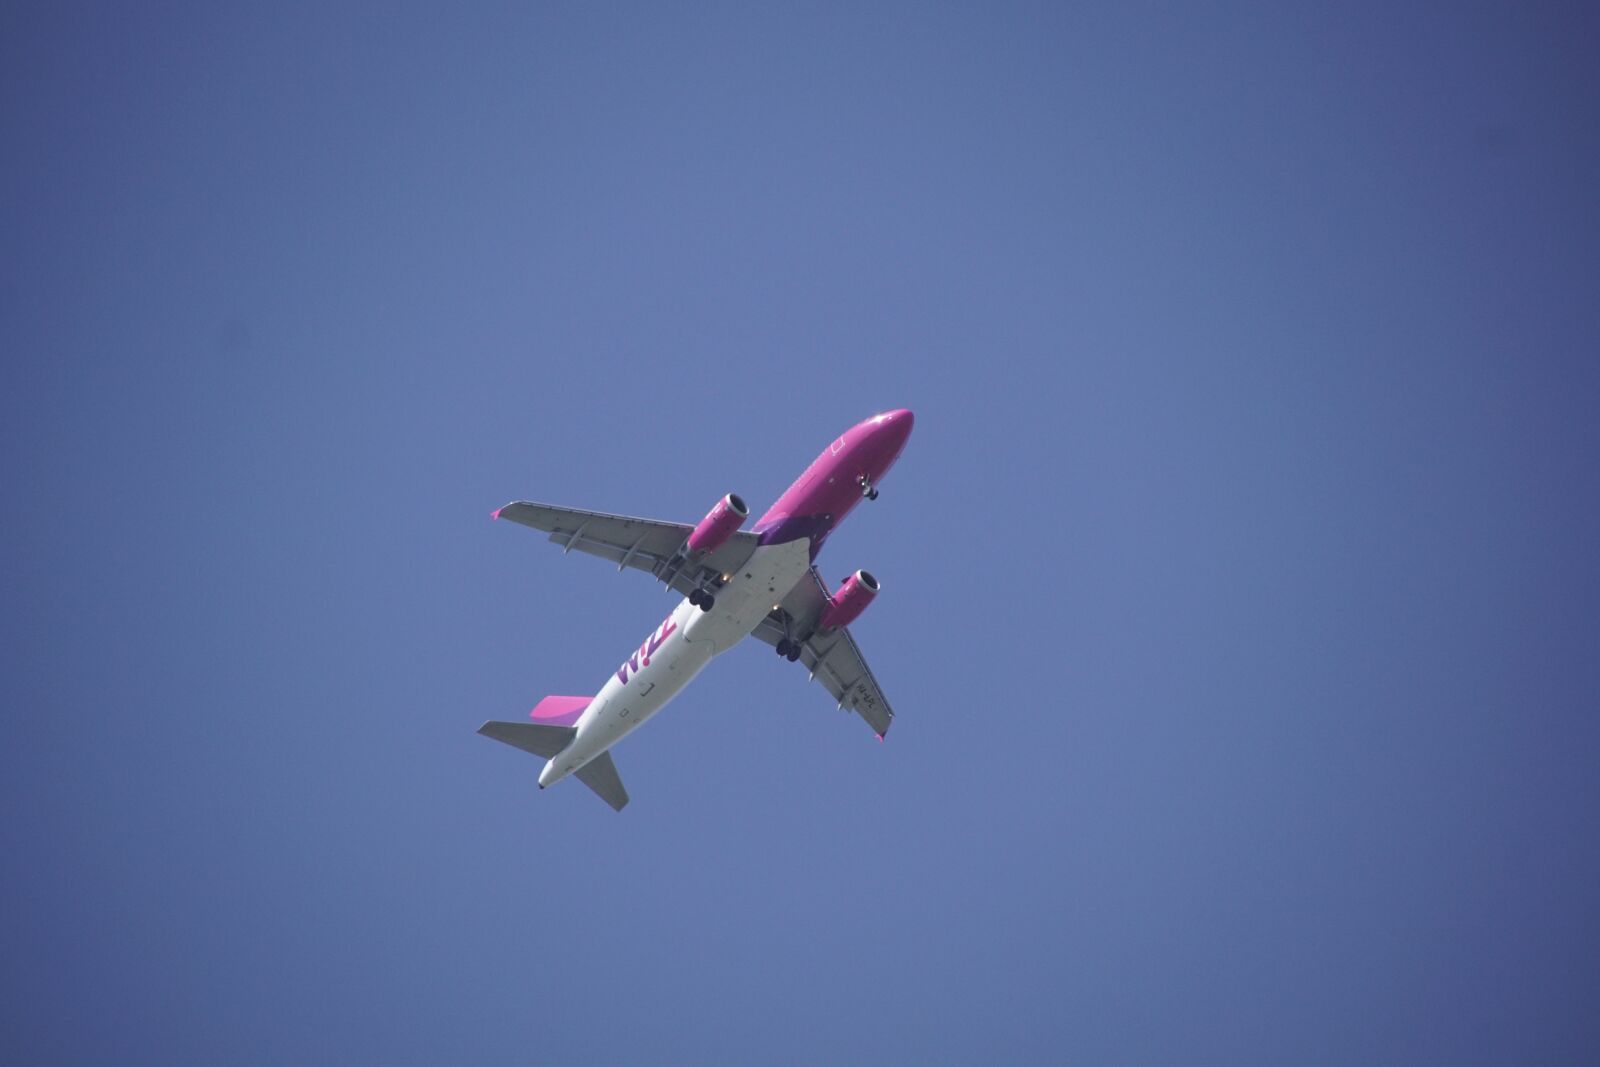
750,594
681,647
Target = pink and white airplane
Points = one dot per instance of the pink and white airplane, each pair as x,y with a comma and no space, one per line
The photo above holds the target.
735,584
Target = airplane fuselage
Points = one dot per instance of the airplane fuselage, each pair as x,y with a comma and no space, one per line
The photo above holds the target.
791,533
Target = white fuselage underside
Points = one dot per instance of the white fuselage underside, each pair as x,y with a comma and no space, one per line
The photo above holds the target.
678,650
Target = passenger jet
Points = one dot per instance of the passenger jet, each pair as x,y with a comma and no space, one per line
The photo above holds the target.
735,584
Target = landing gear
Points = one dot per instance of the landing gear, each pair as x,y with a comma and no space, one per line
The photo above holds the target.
866,488
702,599
789,650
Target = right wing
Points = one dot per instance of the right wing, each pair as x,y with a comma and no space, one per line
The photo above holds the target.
830,655
644,544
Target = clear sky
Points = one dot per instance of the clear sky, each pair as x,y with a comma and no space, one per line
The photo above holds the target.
1239,580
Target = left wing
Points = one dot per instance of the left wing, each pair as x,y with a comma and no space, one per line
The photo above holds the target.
644,544
830,655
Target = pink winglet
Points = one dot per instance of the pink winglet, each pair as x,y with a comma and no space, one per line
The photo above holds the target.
880,739
559,711
495,514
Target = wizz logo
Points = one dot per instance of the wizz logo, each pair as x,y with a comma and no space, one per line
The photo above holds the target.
646,650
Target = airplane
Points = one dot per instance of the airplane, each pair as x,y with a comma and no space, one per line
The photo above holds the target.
735,584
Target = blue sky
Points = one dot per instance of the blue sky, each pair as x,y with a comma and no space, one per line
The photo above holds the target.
1238,582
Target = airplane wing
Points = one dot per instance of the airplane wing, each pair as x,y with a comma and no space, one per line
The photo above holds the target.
644,544
831,655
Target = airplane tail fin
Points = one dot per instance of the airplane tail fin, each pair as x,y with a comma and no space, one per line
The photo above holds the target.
560,711
550,731
547,741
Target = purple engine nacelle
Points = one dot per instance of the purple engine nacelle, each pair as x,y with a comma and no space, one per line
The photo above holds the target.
719,524
845,606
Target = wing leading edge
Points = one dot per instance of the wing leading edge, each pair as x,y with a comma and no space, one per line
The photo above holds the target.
643,544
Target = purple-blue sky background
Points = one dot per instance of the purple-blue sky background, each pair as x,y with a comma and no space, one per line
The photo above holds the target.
1239,580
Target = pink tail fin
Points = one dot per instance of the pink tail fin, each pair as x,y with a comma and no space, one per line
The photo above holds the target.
559,711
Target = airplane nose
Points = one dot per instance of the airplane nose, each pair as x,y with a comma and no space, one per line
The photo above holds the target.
899,422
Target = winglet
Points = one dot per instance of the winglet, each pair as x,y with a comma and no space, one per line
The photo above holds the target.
495,514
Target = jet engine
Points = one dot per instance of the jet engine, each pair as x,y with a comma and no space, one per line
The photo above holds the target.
845,606
719,524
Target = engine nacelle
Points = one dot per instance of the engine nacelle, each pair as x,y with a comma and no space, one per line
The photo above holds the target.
719,524
845,606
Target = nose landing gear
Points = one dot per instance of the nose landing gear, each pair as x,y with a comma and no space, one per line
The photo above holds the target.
866,488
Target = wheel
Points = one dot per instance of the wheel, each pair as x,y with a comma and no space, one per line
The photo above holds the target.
783,646
694,597
794,652
706,601
872,495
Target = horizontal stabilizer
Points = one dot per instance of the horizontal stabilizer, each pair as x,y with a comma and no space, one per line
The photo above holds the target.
538,738
600,774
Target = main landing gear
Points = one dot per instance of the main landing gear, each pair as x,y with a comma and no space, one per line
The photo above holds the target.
787,647
866,488
702,599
